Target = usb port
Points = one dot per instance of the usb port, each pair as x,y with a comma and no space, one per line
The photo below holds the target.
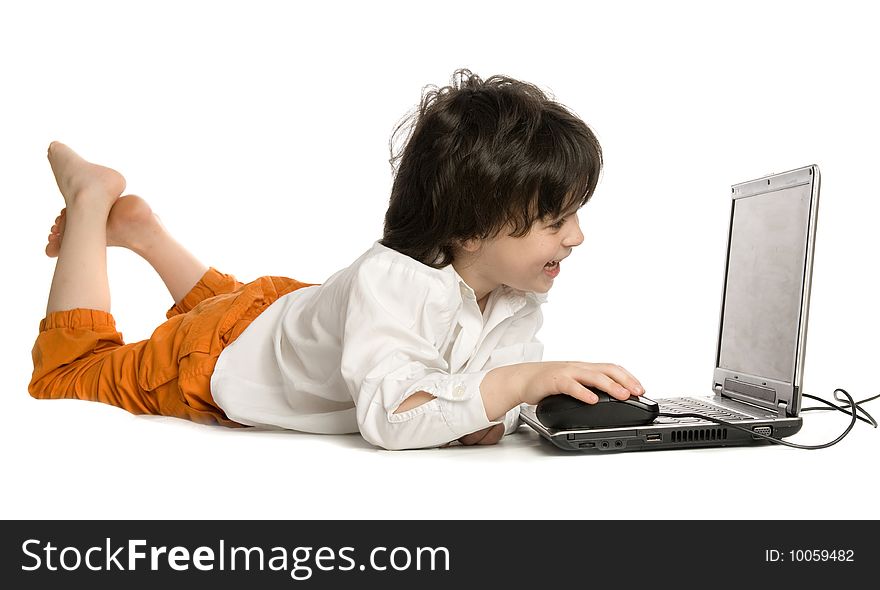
657,437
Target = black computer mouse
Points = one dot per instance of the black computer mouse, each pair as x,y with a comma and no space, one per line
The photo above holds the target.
563,412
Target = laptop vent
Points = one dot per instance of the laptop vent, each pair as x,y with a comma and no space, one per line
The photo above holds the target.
698,434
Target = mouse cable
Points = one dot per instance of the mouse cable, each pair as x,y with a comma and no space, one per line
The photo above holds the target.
870,419
853,406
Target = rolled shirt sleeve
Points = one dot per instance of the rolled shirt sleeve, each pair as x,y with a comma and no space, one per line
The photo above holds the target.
390,351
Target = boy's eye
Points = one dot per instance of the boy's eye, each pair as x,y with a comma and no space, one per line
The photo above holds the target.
558,224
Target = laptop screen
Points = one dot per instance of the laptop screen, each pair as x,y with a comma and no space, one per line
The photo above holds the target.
765,283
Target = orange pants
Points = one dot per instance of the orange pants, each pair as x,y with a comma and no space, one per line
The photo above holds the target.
80,355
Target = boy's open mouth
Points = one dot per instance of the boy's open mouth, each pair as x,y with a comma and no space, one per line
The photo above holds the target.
552,264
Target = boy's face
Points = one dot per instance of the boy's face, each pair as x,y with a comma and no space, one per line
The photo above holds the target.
522,263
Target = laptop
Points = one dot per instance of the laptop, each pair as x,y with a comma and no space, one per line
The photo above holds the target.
762,333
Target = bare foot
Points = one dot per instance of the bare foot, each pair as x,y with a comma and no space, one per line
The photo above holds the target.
131,224
77,177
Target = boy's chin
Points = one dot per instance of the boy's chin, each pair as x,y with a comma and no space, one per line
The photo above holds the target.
535,287
543,287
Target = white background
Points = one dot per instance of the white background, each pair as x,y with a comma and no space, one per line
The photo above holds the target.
259,132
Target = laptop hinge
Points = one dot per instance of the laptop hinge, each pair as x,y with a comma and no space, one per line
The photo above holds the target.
782,406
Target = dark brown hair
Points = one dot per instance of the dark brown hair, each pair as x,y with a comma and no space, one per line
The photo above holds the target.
482,155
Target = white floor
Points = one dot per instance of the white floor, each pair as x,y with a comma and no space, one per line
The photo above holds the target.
70,459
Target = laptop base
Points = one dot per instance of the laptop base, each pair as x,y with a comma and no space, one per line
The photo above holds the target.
704,434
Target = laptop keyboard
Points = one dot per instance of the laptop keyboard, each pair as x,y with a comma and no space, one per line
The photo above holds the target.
689,405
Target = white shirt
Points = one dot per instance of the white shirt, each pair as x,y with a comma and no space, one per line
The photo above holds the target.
342,356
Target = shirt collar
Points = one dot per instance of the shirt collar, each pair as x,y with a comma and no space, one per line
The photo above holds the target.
515,298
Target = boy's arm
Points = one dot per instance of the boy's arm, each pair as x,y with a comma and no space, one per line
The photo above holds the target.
504,388
501,390
517,345
504,381
390,353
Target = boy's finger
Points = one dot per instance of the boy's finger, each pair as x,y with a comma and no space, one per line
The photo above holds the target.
601,381
625,378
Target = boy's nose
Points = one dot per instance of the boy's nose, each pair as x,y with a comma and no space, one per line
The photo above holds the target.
576,238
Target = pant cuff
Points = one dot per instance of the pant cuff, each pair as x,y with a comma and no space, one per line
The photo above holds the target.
93,319
212,283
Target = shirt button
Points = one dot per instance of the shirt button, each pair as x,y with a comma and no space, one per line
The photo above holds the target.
458,392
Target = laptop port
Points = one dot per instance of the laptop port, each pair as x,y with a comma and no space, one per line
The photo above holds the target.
655,437
765,430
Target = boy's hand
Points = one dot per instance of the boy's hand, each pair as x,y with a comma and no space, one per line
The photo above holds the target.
487,436
572,378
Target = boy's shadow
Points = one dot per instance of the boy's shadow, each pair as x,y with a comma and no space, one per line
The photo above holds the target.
523,440
351,441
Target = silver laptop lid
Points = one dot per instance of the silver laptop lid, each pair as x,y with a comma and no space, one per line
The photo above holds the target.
765,298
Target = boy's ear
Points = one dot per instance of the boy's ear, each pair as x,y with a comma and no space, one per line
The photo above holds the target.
470,245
